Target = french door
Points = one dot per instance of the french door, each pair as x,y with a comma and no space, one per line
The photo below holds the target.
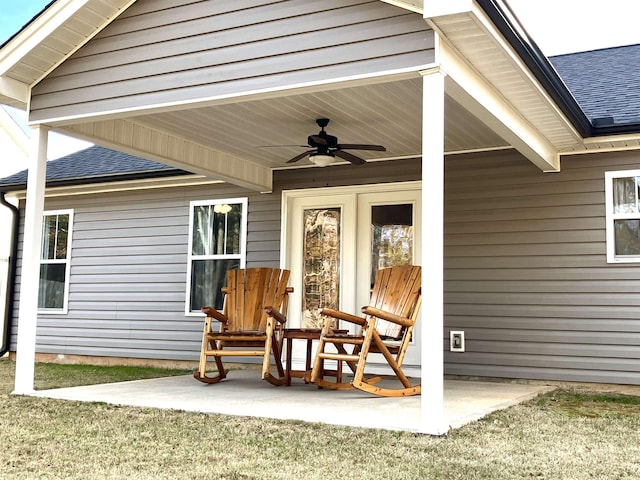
335,240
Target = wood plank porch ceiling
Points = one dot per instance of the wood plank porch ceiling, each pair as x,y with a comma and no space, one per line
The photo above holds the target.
387,113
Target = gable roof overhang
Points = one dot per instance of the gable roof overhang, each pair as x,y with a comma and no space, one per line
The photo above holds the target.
470,25
501,93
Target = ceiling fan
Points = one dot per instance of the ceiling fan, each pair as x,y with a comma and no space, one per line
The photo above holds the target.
325,148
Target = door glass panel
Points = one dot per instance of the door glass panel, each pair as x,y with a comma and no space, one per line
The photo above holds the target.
391,237
321,265
391,245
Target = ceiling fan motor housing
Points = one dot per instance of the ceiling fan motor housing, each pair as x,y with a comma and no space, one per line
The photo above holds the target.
322,139
327,145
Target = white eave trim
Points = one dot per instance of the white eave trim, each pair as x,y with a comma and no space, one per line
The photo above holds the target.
121,186
480,98
45,25
143,141
15,93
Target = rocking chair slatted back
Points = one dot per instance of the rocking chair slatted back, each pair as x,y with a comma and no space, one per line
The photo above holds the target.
386,329
248,292
251,323
396,290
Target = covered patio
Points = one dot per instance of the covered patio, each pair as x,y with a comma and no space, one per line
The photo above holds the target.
244,394
442,81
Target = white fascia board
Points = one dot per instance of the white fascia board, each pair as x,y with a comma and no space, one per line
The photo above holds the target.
121,186
45,25
16,93
235,97
135,139
475,94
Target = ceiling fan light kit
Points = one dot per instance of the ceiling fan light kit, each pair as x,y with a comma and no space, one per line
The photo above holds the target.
321,159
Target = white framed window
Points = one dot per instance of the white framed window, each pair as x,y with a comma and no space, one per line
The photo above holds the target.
217,243
622,191
55,261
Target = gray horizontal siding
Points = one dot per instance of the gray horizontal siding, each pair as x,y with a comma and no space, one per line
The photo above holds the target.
128,273
526,276
129,262
527,281
159,52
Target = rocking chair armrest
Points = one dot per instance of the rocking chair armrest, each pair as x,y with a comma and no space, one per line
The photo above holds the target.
215,314
391,317
272,312
342,315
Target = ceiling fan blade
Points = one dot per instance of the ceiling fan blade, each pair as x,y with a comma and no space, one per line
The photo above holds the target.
300,156
280,146
349,157
357,146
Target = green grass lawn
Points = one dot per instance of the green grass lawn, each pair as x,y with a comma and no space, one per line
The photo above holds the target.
562,435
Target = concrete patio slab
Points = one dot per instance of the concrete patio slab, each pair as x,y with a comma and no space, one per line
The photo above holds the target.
244,394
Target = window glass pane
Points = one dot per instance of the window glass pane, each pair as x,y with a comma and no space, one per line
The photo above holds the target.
229,216
62,236
627,237
216,229
624,195
52,280
48,247
201,235
392,237
207,278
321,269
55,232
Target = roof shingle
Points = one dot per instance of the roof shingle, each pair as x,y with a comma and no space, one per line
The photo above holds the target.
93,164
604,82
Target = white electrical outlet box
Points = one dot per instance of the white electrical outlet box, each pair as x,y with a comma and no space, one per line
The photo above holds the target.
456,341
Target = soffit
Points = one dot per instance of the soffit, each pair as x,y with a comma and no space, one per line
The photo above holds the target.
270,131
54,35
477,40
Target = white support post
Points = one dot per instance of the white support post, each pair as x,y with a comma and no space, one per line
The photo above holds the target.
432,369
30,275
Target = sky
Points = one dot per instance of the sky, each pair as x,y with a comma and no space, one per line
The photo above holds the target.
568,26
16,13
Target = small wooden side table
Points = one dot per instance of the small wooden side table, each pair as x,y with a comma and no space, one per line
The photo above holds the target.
308,334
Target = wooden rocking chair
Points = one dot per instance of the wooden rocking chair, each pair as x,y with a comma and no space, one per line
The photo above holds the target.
386,328
253,316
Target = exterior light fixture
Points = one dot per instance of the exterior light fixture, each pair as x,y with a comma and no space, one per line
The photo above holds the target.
322,159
